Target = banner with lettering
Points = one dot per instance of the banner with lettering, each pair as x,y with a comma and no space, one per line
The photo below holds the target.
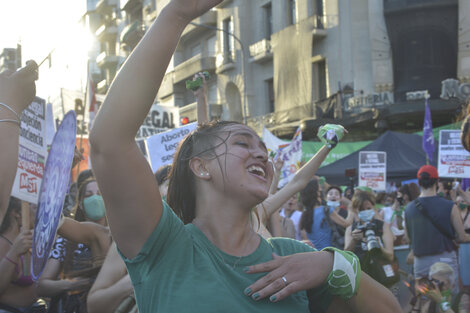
32,152
373,170
161,147
292,156
160,118
454,160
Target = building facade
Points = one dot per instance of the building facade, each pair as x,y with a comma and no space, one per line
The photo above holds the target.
281,64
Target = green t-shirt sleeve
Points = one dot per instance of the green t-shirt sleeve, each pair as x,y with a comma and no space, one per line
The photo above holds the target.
168,231
319,298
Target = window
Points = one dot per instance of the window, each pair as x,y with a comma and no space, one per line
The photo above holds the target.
228,37
292,17
319,80
270,91
268,19
211,46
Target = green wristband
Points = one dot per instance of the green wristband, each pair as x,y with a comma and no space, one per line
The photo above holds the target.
345,276
444,305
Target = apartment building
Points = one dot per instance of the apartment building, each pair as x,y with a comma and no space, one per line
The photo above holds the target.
286,63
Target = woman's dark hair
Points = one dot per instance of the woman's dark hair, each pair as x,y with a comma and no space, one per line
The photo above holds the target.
411,190
426,181
309,200
361,196
13,206
161,175
200,143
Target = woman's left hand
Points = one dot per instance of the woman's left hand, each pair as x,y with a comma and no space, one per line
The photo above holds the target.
290,274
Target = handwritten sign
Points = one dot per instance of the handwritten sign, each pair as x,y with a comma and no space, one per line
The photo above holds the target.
373,169
454,160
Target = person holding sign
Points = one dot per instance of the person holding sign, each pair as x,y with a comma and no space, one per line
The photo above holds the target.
17,91
203,260
16,289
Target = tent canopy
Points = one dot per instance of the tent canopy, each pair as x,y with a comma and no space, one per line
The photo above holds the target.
405,156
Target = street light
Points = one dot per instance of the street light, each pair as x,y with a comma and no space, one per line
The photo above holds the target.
245,104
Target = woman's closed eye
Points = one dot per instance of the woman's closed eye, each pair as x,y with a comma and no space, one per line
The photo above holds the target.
243,144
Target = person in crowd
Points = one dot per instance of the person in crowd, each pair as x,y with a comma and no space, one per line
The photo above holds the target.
220,172
464,248
318,221
17,290
78,252
112,290
291,210
340,217
363,205
437,289
393,214
432,224
348,193
161,175
17,91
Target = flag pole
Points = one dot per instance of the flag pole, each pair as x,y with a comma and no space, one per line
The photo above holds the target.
84,111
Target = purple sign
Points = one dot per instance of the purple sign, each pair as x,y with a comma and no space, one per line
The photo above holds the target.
52,193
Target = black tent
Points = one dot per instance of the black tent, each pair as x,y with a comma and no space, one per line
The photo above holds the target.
405,156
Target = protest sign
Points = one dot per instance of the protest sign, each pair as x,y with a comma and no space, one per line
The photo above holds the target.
162,146
454,160
32,152
292,155
373,169
273,144
160,118
52,193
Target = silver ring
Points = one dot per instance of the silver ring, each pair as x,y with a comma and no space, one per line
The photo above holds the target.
284,279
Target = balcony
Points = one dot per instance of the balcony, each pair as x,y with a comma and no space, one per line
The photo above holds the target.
132,33
102,87
320,24
104,59
209,18
105,7
260,51
106,31
192,66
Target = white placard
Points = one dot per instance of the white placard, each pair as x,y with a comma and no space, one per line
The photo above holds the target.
160,119
373,169
162,146
454,160
32,152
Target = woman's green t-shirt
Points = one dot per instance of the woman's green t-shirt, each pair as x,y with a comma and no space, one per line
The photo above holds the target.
180,270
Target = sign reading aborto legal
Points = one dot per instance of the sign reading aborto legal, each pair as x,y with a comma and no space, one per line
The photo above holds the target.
162,146
373,169
52,193
32,152
454,160
159,119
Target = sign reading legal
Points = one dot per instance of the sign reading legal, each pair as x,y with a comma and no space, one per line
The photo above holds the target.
160,118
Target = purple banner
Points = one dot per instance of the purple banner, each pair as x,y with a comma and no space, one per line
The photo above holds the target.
52,193
428,137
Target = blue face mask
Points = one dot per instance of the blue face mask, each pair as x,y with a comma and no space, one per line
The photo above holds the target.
94,207
332,204
366,215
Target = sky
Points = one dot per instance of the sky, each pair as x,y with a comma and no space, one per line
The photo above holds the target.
40,25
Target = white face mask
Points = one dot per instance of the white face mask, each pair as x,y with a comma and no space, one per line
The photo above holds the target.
333,204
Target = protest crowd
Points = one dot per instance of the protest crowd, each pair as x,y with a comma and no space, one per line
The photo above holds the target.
213,232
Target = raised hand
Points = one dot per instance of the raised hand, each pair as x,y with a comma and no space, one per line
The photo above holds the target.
190,9
331,134
17,89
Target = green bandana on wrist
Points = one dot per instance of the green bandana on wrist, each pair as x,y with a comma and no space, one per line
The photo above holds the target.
330,134
345,276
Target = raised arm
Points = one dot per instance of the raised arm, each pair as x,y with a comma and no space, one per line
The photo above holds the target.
126,181
111,286
298,182
17,91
